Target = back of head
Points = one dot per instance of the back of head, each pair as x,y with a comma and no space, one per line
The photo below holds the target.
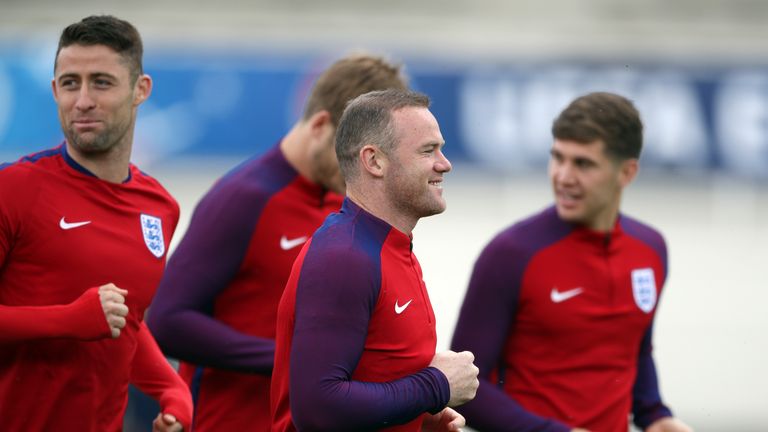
348,78
368,120
602,116
117,34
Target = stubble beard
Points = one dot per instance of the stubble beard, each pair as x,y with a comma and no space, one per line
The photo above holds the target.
101,143
414,201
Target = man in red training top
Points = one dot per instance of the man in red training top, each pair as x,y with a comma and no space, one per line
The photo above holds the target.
356,339
83,237
216,306
560,306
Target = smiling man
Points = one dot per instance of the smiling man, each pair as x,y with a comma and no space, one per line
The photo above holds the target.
560,306
356,339
83,236
216,312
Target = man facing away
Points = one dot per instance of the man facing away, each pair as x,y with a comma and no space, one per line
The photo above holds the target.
356,339
216,306
560,306
83,236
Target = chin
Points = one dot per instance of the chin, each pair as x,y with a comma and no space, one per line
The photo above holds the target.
438,208
568,215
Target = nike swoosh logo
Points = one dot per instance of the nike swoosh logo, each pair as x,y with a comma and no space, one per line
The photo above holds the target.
399,309
558,296
286,244
69,225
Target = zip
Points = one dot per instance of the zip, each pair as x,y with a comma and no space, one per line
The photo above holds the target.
422,285
606,256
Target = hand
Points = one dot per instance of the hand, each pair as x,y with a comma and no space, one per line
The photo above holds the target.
579,430
446,420
461,373
668,424
113,303
166,423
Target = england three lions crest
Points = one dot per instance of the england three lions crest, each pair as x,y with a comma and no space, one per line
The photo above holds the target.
152,229
644,289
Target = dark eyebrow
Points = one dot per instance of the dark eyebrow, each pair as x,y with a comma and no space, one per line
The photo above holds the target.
65,76
94,75
103,75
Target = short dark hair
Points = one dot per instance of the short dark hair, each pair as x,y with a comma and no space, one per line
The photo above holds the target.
106,30
602,116
348,78
368,120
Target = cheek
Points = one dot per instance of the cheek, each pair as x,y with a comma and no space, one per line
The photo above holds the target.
603,189
65,103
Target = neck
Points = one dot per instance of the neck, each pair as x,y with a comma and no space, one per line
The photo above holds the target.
111,166
374,201
296,151
605,221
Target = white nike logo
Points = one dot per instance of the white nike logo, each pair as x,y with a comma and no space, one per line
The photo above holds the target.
399,309
558,296
67,226
286,244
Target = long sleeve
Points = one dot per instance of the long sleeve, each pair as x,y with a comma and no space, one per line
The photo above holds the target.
647,405
333,310
482,328
82,319
152,374
203,265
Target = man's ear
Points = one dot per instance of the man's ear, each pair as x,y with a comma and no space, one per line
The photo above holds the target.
321,130
374,161
628,171
55,89
319,124
143,89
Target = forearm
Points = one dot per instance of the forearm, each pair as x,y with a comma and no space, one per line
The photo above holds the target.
180,316
493,410
82,319
197,338
647,405
348,405
152,374
324,393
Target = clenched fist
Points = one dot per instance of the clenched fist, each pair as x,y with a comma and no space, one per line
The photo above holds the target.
113,303
461,372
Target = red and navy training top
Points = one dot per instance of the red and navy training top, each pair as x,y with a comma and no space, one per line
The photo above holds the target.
559,318
63,233
216,306
356,333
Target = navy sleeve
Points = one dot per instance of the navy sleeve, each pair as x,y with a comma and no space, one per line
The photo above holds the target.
336,294
483,328
647,406
204,263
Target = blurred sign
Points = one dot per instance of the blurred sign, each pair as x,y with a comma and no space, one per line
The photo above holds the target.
500,115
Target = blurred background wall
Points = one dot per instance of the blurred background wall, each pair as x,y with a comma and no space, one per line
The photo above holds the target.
231,77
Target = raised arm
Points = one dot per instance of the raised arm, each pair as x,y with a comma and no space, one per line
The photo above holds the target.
332,312
97,314
205,262
84,318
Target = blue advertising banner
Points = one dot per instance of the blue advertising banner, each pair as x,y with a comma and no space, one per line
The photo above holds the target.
236,105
